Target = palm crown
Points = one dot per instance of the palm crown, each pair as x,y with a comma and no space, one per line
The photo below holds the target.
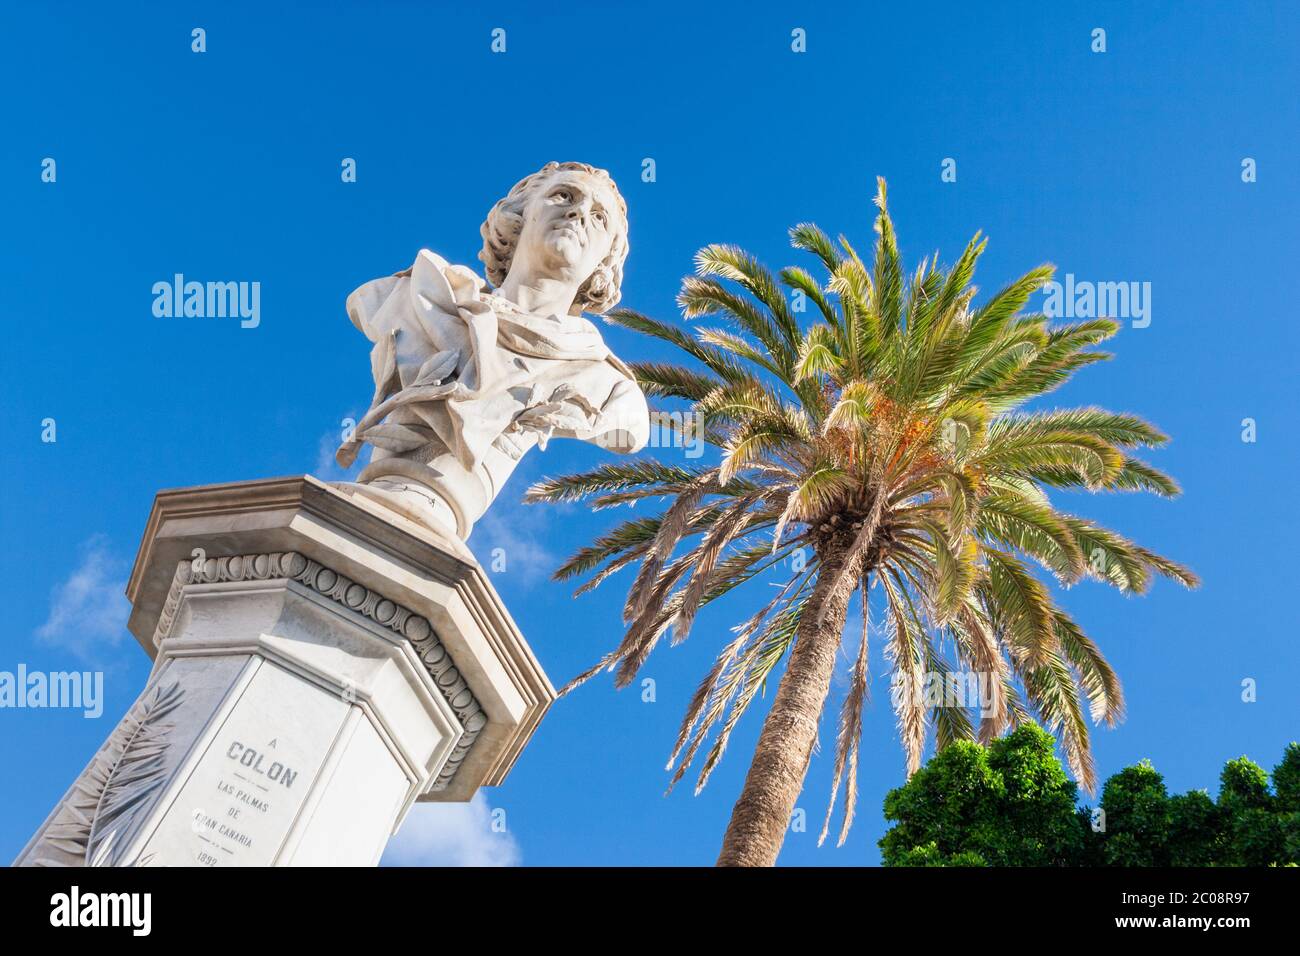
881,446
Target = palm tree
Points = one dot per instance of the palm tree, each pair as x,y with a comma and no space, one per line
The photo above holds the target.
878,451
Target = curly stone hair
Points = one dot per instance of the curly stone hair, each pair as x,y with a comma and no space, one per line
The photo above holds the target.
501,229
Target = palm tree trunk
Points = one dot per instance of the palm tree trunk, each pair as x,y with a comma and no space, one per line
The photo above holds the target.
775,779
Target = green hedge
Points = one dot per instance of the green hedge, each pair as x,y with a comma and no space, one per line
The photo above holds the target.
1011,804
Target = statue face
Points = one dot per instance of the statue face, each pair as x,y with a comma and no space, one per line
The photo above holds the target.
569,228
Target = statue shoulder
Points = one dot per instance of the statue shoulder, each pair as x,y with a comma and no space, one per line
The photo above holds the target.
622,369
368,299
430,277
443,283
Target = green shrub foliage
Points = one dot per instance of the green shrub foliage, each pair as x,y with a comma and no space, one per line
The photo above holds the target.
1011,804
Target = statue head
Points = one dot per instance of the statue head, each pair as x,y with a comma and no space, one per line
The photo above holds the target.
566,221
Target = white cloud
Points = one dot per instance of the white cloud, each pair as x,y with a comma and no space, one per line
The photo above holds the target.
327,468
451,834
520,532
89,611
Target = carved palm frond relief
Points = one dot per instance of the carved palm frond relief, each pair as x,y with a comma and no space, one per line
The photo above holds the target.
135,776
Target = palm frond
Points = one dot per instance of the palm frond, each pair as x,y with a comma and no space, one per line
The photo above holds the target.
884,438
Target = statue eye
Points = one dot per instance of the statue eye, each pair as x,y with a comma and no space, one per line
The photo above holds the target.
563,195
600,217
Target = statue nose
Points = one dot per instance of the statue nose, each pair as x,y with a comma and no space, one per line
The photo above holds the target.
580,209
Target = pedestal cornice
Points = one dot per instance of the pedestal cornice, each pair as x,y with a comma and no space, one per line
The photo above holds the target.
395,560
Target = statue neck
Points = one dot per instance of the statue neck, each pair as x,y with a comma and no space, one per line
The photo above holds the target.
539,296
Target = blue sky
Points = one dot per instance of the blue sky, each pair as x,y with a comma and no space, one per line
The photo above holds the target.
1117,166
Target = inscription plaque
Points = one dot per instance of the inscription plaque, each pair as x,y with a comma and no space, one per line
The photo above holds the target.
245,794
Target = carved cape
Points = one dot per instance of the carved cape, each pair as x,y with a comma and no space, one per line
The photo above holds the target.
454,363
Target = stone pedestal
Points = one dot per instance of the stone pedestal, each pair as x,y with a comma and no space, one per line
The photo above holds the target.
320,664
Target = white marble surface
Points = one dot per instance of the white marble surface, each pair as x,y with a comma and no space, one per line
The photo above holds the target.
320,665
468,380
242,794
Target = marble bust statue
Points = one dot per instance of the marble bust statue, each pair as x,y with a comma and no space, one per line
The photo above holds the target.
468,379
